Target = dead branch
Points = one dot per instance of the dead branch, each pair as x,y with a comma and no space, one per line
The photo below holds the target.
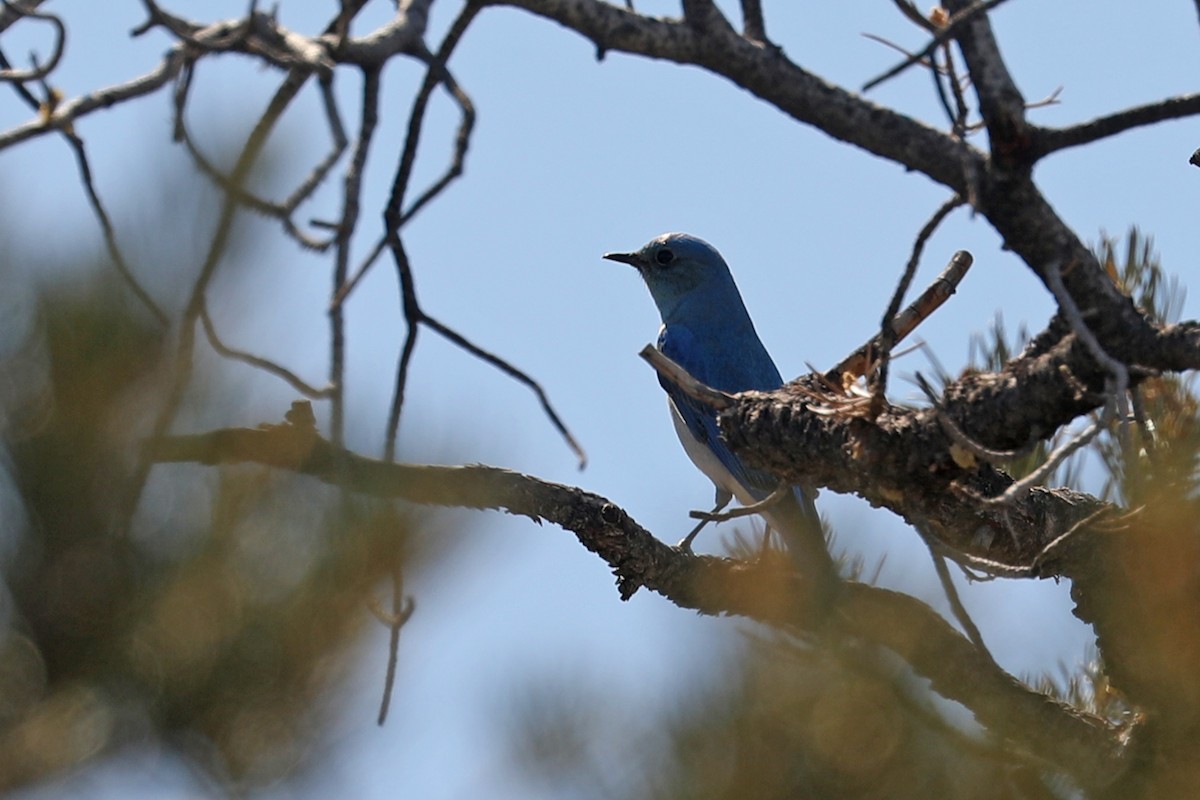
1050,140
862,360
1084,746
888,336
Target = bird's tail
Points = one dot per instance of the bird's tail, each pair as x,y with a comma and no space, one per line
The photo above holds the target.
795,518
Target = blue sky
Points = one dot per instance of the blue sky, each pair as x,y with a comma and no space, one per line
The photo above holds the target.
571,158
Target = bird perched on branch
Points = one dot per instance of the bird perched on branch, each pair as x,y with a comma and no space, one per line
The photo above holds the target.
707,331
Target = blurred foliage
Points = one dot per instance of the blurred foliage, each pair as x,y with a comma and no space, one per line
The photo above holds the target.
214,622
784,719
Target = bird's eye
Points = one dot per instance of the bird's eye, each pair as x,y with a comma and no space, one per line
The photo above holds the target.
664,256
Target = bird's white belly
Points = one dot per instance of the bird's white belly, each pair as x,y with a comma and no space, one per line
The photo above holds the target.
707,462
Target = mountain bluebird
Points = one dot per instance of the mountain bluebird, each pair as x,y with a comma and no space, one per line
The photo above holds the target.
707,331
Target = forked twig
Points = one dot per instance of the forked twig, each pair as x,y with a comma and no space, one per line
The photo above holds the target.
943,35
394,219
110,235
281,211
514,373
1018,489
436,74
266,365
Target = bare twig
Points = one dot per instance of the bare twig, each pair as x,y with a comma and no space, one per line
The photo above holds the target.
281,211
39,71
956,605
1051,550
461,142
351,195
958,118
1049,140
350,285
434,75
110,237
514,373
321,169
945,34
682,378
753,25
887,334
66,113
266,365
394,219
1018,489
928,62
401,612
862,360
412,321
1118,371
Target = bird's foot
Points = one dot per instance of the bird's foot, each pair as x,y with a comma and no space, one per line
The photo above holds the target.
685,544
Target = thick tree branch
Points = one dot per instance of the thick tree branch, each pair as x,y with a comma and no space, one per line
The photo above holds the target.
771,76
1084,746
1000,102
906,461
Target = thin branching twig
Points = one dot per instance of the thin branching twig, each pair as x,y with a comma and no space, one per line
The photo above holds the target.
942,36
887,333
115,253
266,365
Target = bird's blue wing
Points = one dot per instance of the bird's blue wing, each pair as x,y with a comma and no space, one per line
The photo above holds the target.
677,344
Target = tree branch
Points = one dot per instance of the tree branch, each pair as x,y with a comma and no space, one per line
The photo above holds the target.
1049,140
769,74
905,461
1000,102
1082,745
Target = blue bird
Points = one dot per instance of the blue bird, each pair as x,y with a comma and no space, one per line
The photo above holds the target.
707,331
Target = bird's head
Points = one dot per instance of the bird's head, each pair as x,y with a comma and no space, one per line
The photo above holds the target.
678,267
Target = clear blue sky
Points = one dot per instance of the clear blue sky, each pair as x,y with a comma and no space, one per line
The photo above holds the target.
571,158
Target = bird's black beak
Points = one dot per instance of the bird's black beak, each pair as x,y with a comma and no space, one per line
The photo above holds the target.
625,258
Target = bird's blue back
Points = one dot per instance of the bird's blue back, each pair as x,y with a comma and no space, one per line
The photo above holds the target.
728,369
